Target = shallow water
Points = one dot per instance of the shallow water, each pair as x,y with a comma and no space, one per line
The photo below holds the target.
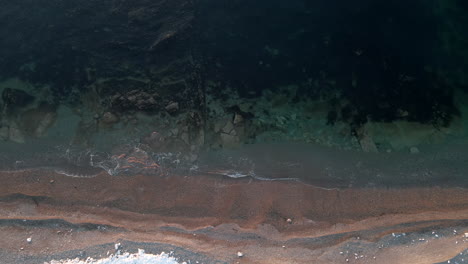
435,165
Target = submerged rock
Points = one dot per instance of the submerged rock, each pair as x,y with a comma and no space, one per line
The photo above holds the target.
228,128
15,98
155,140
109,118
414,150
35,122
238,119
47,121
229,140
172,107
15,134
367,143
135,100
4,133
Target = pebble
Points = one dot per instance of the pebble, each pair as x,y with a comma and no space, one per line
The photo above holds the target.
29,239
289,221
240,254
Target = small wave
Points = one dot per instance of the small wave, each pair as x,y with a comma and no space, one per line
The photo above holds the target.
250,174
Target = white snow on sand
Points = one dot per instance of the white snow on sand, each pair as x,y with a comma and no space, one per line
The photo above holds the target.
126,258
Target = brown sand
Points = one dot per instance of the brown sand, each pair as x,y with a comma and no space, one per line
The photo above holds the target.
218,216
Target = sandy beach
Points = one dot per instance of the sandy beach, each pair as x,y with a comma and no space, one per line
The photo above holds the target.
210,219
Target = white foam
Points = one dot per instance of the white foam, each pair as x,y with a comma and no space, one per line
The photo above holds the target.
126,258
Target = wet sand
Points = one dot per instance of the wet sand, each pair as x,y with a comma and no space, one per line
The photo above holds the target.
210,218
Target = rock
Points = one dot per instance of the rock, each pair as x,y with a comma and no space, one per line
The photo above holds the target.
238,119
109,118
240,254
172,107
29,239
414,150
